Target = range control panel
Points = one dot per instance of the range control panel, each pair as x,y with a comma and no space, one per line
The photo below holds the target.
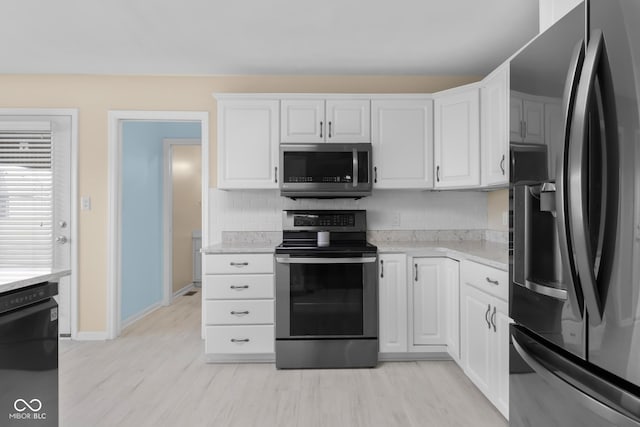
25,296
321,220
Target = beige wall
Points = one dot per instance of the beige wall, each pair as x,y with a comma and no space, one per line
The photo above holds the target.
187,210
94,96
497,205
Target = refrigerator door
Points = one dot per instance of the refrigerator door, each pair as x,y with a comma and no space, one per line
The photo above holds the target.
551,388
614,342
544,297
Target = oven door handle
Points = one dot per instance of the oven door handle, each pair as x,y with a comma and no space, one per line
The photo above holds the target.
304,260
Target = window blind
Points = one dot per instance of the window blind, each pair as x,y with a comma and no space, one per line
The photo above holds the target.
26,195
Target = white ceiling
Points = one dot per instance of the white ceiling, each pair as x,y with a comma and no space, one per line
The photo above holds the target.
464,37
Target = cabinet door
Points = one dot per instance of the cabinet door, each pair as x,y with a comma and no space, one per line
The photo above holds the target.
392,272
348,120
500,347
302,120
457,139
402,143
429,301
533,121
494,131
247,144
452,290
477,337
553,135
516,117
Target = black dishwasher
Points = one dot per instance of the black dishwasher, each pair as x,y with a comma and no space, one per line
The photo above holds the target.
29,356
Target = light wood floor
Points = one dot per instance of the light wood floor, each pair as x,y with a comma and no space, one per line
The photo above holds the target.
154,374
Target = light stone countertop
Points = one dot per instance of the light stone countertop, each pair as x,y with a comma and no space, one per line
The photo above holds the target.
16,278
489,253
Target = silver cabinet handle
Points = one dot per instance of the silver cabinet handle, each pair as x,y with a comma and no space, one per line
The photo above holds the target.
493,319
239,288
438,173
329,130
238,264
502,165
240,313
493,282
415,266
375,174
486,315
382,269
320,128
241,340
275,174
524,122
522,134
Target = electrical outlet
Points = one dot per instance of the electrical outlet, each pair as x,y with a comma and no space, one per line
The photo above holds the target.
505,218
395,219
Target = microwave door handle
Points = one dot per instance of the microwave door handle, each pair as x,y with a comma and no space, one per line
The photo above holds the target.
355,167
574,292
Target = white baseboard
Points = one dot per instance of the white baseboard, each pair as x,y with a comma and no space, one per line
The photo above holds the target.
132,319
183,290
91,336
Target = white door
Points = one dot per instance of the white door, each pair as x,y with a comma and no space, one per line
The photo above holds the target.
533,121
516,117
348,120
452,285
477,337
47,142
457,139
302,120
247,144
393,303
402,143
429,301
501,357
495,137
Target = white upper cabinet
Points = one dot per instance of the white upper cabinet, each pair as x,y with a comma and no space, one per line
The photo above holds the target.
247,126
457,138
402,141
526,118
320,120
494,136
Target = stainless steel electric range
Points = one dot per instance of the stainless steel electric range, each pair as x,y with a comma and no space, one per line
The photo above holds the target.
326,291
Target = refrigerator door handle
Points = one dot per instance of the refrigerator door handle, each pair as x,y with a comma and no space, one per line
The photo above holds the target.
557,372
596,64
574,293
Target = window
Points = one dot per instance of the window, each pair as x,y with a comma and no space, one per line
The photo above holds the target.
26,195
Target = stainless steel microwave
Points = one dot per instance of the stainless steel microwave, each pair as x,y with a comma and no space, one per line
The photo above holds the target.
325,170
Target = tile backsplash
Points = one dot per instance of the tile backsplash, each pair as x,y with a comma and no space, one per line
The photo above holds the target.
261,211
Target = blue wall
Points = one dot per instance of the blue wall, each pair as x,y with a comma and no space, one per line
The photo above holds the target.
142,211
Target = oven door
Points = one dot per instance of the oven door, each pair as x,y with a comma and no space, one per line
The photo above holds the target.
325,296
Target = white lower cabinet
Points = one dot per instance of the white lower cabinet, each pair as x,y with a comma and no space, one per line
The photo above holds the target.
392,313
485,334
238,306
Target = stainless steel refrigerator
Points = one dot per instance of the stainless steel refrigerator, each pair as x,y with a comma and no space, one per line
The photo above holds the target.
575,291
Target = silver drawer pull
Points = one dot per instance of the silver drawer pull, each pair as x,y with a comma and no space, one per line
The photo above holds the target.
239,341
493,282
238,264
240,313
239,288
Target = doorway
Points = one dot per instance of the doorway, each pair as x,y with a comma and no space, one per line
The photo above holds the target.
136,275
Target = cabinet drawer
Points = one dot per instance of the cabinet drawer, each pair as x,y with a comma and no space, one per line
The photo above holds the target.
238,286
487,279
238,312
239,339
238,263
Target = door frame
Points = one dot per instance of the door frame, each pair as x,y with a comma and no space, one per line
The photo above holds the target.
114,195
73,230
167,221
